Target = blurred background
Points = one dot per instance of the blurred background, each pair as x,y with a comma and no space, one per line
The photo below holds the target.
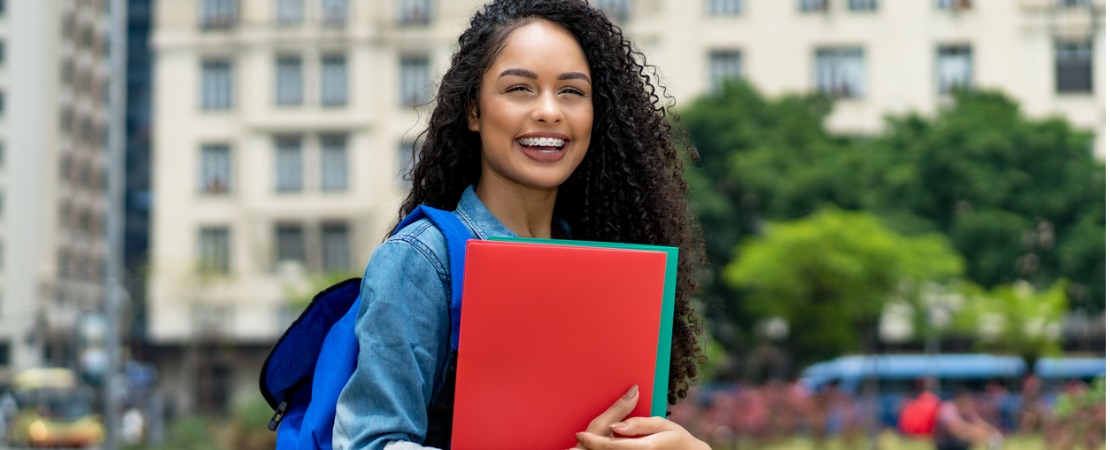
890,191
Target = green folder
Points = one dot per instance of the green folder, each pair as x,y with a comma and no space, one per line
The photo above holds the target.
666,316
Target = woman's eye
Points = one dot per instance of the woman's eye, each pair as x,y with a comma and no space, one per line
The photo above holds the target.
517,88
573,91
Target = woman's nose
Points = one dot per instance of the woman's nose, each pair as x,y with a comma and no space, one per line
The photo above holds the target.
547,109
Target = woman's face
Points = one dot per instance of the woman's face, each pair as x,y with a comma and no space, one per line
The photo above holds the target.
535,109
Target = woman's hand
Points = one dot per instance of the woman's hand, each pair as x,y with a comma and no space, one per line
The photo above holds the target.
609,432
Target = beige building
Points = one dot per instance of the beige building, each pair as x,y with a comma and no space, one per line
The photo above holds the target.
54,128
281,125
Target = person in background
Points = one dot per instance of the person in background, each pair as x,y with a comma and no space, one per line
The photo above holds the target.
959,425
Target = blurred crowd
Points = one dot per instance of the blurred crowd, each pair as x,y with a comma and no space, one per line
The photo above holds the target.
1067,415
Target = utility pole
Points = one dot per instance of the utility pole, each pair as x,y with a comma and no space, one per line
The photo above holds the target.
117,172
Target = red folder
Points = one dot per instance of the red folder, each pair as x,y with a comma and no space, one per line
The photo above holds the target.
550,336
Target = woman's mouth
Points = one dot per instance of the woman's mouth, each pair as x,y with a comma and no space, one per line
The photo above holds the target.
542,144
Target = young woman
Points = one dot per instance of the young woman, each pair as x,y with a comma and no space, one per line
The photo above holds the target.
546,125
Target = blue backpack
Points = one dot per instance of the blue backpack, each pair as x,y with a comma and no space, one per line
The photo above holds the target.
312,361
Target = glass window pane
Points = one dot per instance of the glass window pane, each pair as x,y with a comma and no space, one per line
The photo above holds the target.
333,162
333,80
215,169
290,80
290,12
723,65
215,251
336,243
216,85
290,244
290,164
415,80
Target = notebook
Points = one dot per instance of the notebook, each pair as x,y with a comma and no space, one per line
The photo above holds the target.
553,332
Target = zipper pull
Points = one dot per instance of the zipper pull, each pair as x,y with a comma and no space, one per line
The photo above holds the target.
279,413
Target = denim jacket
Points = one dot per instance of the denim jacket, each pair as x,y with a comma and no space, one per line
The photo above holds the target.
403,331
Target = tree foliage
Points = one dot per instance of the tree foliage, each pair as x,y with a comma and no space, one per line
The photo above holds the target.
830,274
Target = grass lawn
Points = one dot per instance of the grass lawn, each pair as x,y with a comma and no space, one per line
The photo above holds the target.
887,441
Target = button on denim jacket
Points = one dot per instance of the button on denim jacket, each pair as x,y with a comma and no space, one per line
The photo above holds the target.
403,331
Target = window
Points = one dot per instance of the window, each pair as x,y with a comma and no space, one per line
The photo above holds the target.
841,72
813,5
215,82
336,242
863,5
290,164
333,12
333,80
2,53
333,162
617,9
289,238
1073,67
724,7
415,12
290,81
723,65
215,249
954,5
415,80
407,153
290,12
953,68
1073,3
1,103
215,169
3,12
217,14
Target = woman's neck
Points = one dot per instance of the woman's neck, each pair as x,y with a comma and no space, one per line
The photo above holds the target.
525,212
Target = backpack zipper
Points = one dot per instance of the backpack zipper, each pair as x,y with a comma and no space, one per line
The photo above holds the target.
279,414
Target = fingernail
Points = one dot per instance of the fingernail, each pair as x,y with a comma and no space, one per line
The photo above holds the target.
578,436
631,392
618,425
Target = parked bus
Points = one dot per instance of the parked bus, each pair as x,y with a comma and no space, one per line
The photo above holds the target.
892,379
53,411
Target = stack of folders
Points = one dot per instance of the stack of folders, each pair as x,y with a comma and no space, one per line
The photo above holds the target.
553,332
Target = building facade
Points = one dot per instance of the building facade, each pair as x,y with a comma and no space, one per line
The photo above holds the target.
281,126
55,125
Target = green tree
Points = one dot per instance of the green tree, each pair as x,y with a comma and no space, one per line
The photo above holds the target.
830,275
1013,318
1021,199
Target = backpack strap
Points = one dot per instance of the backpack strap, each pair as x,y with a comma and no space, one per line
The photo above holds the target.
456,234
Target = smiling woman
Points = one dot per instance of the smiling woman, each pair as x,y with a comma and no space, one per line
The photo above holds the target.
547,124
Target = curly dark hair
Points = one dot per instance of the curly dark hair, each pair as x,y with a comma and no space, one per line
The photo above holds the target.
630,186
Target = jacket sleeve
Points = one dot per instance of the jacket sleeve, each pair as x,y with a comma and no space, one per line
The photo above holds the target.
403,334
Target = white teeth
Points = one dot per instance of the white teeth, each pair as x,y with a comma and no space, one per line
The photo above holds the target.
542,142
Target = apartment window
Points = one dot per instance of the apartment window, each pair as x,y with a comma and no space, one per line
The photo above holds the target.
953,68
290,81
215,169
290,164
841,71
333,162
407,153
1073,3
724,7
415,12
5,346
415,80
953,5
3,8
2,110
290,12
336,242
215,249
1073,67
217,14
617,9
333,12
289,238
813,5
723,65
333,80
2,53
215,81
67,72
863,5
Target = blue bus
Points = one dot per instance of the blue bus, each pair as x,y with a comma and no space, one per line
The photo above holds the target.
892,379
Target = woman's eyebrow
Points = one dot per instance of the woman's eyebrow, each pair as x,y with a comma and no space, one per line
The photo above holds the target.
530,74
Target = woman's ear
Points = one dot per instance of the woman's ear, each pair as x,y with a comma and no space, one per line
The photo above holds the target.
472,116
